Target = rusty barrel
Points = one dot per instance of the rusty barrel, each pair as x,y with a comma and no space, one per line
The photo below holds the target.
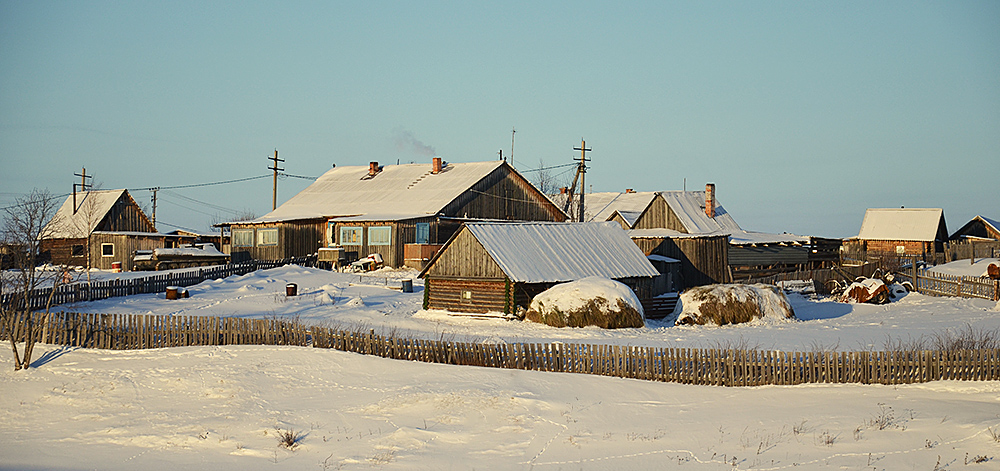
291,289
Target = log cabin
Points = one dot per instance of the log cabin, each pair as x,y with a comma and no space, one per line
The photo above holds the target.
402,212
500,267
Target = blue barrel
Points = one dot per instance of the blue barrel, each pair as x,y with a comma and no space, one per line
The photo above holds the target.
407,286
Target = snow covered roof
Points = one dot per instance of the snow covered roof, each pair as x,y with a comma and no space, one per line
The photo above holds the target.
751,237
995,224
553,252
689,206
917,224
670,234
601,206
396,192
91,208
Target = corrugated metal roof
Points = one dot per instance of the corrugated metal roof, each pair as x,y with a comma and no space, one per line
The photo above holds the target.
91,206
662,233
689,206
396,192
556,252
917,224
600,206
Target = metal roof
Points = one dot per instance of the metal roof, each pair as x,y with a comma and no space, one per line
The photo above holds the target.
554,252
917,224
91,208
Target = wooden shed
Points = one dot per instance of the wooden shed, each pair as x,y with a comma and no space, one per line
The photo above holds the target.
500,267
704,257
382,209
902,231
114,224
979,227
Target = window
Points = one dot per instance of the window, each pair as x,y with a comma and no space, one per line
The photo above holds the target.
77,251
351,235
107,250
267,237
380,235
242,237
331,230
423,233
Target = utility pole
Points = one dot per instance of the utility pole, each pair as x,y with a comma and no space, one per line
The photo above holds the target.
583,173
83,185
512,131
153,197
274,188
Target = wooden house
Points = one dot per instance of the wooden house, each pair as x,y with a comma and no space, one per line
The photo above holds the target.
902,231
382,209
692,224
980,228
500,267
115,225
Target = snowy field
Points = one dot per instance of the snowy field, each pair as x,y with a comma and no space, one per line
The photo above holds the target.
221,408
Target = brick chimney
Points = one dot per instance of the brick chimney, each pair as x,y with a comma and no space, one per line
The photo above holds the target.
436,165
629,190
563,190
372,168
710,200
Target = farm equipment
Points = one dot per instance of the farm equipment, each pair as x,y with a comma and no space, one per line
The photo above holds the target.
369,263
881,288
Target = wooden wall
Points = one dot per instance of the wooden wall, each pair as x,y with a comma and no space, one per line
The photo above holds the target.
295,239
767,255
484,295
125,216
60,250
504,195
465,257
704,260
658,215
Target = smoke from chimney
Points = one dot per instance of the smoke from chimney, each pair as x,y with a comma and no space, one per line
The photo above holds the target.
407,143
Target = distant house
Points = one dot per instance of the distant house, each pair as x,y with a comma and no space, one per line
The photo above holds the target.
385,209
695,228
500,267
116,227
902,231
978,228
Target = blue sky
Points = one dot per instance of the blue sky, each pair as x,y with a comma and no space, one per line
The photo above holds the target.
803,113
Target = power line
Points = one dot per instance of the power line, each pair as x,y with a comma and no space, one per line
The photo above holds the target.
297,176
210,205
195,185
548,168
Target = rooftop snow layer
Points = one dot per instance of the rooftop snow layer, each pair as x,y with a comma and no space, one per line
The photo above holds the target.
555,252
394,193
91,207
901,224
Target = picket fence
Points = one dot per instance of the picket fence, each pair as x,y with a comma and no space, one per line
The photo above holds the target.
96,290
717,367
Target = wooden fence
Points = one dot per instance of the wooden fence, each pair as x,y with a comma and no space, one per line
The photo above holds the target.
95,290
681,365
941,284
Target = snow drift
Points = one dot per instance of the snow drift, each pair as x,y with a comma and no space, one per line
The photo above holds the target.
732,304
589,301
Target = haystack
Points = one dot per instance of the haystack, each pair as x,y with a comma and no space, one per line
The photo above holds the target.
732,304
590,301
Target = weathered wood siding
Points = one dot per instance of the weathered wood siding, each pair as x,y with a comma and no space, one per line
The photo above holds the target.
465,257
468,295
750,256
504,195
658,215
125,216
704,260
295,239
125,247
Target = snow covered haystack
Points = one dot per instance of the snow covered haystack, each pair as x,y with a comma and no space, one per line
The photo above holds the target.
732,304
589,301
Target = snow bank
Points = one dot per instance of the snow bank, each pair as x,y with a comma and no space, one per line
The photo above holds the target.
732,304
589,301
965,267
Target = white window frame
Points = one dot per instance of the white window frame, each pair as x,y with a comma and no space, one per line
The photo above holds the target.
112,254
267,237
359,230
237,242
379,235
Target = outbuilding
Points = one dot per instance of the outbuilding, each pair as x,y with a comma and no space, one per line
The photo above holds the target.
500,267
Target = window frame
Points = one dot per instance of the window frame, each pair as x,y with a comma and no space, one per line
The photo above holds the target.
264,237
104,252
359,230
376,238
235,242
422,228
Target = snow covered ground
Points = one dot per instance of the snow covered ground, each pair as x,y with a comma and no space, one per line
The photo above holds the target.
967,267
222,407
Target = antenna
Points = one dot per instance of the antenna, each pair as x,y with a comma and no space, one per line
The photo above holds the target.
512,131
